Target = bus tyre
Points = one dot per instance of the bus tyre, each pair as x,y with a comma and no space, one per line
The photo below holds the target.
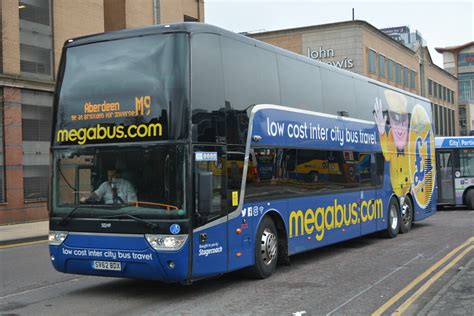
393,224
406,216
470,199
266,249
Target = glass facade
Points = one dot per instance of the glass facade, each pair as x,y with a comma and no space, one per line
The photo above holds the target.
36,107
36,44
466,87
466,60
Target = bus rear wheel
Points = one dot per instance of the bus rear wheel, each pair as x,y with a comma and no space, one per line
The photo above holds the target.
406,216
393,225
470,199
266,249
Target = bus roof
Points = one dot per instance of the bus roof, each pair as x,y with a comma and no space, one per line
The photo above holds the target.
196,27
454,142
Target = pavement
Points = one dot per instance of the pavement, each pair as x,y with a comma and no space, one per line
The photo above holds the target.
21,233
456,296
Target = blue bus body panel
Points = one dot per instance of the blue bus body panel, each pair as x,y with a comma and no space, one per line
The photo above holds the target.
138,260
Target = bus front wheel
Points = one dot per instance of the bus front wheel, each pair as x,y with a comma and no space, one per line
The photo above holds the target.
266,249
393,225
406,216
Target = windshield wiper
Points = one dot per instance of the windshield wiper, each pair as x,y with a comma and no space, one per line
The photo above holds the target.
135,218
66,218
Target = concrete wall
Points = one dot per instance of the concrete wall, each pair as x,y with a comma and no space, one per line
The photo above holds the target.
138,13
75,18
10,24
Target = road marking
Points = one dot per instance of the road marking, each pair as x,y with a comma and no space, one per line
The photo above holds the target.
386,276
428,283
420,278
39,288
23,244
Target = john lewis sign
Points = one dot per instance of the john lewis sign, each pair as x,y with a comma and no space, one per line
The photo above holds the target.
325,53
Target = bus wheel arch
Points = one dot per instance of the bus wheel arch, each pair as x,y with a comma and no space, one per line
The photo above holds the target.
406,214
282,237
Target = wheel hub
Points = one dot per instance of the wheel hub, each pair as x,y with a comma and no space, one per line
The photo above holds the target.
393,217
269,246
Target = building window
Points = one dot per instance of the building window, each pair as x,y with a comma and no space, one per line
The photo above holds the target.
462,120
466,87
444,94
445,121
452,97
372,64
466,59
405,76
430,87
435,89
449,122
187,18
398,73
448,95
437,131
381,66
390,69
412,79
36,44
453,120
440,91
36,110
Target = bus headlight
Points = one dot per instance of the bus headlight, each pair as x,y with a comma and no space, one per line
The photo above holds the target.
56,238
166,242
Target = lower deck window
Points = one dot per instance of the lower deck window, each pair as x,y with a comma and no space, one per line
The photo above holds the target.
280,172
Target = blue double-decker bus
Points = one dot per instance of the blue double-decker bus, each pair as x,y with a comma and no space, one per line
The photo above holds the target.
455,169
185,151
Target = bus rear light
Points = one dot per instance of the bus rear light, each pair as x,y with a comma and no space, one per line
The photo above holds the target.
166,242
56,238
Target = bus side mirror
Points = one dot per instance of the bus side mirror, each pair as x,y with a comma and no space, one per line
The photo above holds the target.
204,192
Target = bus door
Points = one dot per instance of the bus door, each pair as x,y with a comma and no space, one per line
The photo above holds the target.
444,166
210,211
369,206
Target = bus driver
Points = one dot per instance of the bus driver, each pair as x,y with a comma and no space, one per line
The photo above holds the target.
114,190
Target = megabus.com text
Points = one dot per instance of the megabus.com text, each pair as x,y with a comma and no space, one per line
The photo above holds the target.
98,132
333,216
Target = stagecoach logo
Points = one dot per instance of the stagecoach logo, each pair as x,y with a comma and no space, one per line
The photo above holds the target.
422,145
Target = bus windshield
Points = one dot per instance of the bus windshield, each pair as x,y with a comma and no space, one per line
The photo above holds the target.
147,182
125,90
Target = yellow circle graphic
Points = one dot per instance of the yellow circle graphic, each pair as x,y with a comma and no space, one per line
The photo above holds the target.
422,156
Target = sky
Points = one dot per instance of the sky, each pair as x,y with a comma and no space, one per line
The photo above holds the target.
441,23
